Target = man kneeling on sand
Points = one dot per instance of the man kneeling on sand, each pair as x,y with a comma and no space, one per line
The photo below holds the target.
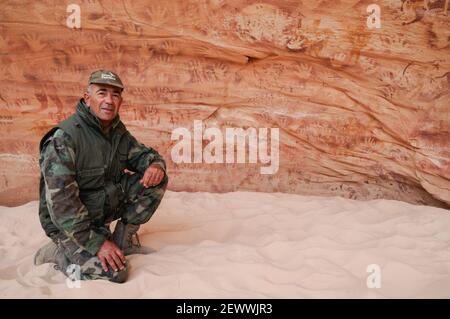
93,171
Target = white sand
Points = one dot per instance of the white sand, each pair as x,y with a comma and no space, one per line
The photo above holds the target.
254,245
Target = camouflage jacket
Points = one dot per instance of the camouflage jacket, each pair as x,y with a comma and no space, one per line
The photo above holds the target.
81,168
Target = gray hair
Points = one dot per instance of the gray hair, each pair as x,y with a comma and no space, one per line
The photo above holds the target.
89,89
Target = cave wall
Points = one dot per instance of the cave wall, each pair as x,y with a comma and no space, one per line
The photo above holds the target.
362,112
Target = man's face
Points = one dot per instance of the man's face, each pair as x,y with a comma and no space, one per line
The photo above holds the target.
104,101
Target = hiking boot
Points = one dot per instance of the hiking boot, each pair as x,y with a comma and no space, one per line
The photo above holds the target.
47,254
123,237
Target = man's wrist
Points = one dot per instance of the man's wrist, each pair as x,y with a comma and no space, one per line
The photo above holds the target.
94,244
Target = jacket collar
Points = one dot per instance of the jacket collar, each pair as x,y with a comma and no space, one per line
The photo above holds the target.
90,118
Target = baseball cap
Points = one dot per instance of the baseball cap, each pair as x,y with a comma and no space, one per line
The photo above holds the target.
105,77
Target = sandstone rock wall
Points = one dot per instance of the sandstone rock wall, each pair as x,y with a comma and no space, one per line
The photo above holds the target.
362,113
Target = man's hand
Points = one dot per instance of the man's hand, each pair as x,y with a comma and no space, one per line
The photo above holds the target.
153,176
110,254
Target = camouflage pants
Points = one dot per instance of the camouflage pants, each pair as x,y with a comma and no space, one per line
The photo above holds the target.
137,206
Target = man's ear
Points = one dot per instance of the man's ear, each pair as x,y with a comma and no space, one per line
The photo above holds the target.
87,98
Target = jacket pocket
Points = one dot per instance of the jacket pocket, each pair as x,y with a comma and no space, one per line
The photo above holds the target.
93,178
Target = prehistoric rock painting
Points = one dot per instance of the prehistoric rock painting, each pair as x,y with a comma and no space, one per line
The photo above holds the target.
418,8
362,113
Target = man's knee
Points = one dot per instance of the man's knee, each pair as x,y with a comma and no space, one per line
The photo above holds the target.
92,270
132,187
142,202
157,191
80,264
